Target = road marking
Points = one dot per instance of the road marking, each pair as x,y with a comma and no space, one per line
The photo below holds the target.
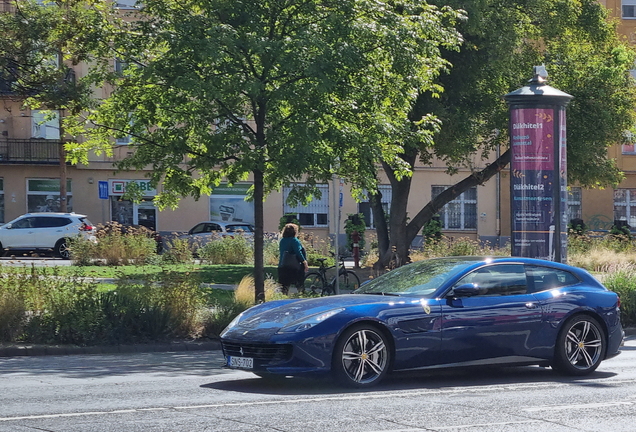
358,396
461,426
577,406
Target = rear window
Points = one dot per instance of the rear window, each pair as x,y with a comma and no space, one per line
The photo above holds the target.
545,278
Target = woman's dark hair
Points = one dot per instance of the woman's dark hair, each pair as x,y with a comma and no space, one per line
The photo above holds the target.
290,230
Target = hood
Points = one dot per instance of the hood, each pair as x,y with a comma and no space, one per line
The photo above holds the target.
263,321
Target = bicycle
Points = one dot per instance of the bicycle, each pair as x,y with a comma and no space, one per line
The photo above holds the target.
316,280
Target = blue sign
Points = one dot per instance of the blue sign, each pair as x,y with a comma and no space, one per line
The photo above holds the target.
341,196
103,189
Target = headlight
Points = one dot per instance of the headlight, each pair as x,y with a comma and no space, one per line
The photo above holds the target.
232,323
309,322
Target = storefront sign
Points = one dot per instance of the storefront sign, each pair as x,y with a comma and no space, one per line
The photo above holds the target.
118,187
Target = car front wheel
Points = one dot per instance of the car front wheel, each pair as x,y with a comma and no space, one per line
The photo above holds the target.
361,356
580,346
61,249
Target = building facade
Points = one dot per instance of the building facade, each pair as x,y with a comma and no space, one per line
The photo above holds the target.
30,173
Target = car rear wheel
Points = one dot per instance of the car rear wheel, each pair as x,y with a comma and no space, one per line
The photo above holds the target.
580,346
361,356
61,249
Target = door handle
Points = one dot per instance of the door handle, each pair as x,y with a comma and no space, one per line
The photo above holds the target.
531,305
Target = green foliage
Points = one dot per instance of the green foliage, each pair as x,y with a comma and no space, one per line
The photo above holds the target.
288,218
355,222
116,245
621,233
227,250
37,305
432,231
178,251
622,281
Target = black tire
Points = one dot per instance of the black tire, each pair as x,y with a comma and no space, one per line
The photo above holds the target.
61,249
348,281
2,251
361,357
580,346
313,283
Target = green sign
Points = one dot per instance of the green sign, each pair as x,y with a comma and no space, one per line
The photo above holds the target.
48,185
236,189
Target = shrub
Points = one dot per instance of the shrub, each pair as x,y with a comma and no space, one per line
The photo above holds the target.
622,280
227,250
178,251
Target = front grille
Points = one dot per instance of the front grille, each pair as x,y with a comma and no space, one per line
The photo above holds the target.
262,353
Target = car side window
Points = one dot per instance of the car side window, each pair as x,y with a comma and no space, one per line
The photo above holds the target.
28,222
498,280
214,228
198,229
51,222
546,278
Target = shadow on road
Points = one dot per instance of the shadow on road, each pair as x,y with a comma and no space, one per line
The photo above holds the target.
431,380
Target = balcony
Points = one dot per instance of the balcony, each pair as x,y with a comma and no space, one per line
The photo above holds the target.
32,151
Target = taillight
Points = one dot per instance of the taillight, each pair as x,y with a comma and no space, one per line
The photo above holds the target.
86,227
618,303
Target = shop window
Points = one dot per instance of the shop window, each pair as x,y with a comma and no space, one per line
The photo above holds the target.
313,214
364,207
461,213
43,195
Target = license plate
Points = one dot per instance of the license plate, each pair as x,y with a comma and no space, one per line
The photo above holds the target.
241,362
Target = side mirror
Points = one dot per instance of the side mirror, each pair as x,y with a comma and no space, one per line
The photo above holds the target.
466,290
8,226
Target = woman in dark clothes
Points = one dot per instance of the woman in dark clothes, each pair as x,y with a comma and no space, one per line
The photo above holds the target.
290,243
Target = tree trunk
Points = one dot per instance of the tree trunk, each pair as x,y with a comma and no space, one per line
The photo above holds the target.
403,234
259,268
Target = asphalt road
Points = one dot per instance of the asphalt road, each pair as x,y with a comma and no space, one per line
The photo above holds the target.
191,392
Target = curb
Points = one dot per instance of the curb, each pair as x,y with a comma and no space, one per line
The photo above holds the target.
23,350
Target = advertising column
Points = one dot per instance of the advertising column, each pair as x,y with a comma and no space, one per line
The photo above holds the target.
538,170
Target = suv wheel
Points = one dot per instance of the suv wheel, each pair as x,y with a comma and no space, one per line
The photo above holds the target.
61,249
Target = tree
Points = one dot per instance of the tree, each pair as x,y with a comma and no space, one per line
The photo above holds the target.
284,91
40,44
503,40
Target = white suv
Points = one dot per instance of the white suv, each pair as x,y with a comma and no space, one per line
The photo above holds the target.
44,232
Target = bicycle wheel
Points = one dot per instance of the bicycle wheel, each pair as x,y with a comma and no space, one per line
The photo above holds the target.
313,283
348,281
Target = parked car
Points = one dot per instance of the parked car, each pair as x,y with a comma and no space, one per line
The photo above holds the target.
44,232
205,232
457,311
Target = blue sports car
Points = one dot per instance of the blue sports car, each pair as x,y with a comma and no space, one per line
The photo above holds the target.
457,311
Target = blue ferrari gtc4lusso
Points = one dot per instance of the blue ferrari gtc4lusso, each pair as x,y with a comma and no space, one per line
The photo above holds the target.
456,311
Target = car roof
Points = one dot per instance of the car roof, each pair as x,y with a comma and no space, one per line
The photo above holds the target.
53,214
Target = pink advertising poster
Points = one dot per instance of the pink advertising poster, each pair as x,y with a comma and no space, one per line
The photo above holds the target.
532,138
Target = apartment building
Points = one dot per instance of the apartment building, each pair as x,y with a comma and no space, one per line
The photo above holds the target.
30,173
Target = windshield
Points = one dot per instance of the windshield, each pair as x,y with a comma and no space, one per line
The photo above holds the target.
420,278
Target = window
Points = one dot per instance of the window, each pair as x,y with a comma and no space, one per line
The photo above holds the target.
126,4
574,203
45,124
51,222
461,213
313,214
365,206
629,9
127,139
497,280
544,278
43,195
120,66
625,206
1,200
